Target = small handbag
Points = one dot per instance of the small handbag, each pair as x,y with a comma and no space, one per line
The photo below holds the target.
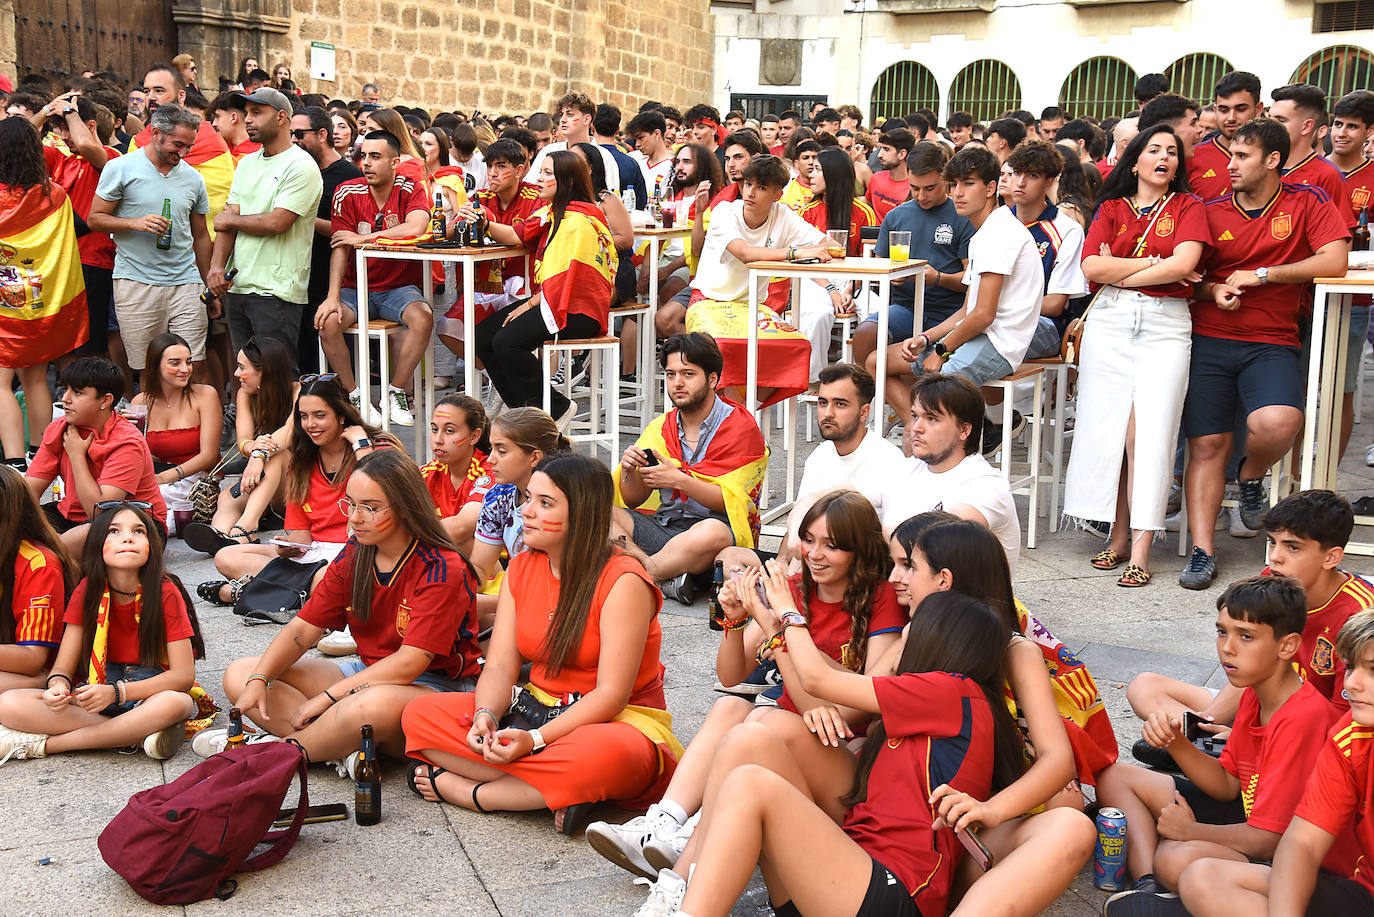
205,495
277,592
1071,348
527,712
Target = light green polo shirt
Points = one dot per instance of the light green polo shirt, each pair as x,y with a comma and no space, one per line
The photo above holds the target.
276,265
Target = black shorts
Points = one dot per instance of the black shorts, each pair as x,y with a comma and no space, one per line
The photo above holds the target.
1335,895
653,531
1207,810
886,897
1225,375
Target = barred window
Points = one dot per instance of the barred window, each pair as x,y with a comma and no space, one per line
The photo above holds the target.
1337,70
1099,88
985,89
903,88
1195,76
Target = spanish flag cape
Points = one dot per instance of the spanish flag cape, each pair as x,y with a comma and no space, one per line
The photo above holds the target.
210,157
574,263
735,459
1078,700
450,177
42,293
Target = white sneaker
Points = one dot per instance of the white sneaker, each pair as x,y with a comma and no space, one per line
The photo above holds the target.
663,851
370,415
400,407
1171,522
337,643
348,766
665,895
22,745
210,742
624,844
1369,456
163,744
1237,527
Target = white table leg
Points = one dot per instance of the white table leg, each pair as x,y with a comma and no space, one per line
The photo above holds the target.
878,416
364,350
469,267
1310,435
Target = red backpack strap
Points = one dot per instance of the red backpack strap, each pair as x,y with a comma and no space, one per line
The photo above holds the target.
282,841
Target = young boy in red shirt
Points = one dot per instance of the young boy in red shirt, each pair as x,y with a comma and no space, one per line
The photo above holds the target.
1236,807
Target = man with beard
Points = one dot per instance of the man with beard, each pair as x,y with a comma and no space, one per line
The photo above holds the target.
945,470
1237,101
693,167
689,487
265,229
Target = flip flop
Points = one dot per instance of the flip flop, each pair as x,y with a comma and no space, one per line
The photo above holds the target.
1106,559
237,531
575,817
432,772
203,537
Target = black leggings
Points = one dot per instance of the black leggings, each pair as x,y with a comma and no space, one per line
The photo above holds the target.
886,897
507,352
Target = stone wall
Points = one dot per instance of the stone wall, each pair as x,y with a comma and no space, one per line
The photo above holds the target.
505,56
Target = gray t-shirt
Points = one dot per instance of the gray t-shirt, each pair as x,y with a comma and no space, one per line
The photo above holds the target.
940,236
137,189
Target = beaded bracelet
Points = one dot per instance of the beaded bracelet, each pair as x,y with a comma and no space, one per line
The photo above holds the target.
258,676
773,643
741,624
487,710
61,676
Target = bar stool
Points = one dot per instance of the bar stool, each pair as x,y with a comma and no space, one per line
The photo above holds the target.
639,394
382,330
1058,434
601,424
1028,483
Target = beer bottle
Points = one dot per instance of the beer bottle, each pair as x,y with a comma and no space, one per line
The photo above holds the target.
1361,234
714,612
656,204
367,787
436,219
207,297
164,240
235,729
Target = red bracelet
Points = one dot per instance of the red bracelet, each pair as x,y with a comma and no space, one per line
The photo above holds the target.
773,643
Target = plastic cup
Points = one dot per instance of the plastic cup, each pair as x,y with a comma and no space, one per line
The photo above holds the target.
837,241
182,513
138,413
899,246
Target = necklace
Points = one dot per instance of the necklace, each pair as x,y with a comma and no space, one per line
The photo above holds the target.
133,594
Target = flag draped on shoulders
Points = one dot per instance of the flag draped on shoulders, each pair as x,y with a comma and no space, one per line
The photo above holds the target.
735,459
42,292
575,263
450,177
209,156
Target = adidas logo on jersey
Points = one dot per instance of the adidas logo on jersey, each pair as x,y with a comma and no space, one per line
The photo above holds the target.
1226,237
1210,173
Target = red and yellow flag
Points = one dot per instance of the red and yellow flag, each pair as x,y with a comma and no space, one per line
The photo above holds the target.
574,266
42,293
210,157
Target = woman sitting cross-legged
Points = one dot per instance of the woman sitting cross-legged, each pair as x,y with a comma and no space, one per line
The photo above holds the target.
406,594
591,725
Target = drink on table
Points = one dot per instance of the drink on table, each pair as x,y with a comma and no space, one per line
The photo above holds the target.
714,613
164,238
236,737
367,786
656,202
899,246
1360,243
1109,856
437,229
837,242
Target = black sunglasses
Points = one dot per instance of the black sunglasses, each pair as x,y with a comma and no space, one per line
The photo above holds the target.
319,377
300,132
115,504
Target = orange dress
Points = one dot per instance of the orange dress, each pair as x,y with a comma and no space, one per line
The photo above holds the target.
621,760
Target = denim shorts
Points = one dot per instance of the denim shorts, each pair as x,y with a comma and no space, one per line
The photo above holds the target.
387,304
976,360
119,671
436,680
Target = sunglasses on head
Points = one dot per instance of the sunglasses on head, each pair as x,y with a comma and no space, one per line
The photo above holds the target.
115,504
319,377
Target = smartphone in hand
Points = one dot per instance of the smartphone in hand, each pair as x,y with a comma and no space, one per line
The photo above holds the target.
975,847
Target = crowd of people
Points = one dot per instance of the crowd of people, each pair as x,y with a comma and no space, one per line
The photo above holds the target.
187,267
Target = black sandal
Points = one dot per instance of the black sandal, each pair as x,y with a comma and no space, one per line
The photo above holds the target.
209,591
205,538
432,772
575,817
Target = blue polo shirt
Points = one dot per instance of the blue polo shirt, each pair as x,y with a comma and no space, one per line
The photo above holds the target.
939,236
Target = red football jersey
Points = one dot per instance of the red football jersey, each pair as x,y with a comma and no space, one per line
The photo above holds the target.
1297,221
123,633
40,597
1318,171
939,731
448,500
79,179
1340,801
1274,760
860,215
355,210
427,602
319,513
885,193
1209,169
491,274
1119,224
1318,661
1359,183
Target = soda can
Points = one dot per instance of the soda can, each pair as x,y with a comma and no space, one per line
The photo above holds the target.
1109,857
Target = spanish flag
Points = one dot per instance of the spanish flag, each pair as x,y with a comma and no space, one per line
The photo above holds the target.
735,459
210,157
784,352
42,293
574,264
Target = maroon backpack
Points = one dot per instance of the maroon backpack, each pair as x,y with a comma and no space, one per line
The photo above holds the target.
181,842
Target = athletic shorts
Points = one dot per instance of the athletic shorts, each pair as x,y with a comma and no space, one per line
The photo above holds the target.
886,897
1209,811
436,680
1227,375
1339,895
653,531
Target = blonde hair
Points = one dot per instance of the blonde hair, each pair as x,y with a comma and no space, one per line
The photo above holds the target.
1355,637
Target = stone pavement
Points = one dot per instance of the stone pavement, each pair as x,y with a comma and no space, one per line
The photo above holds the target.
430,858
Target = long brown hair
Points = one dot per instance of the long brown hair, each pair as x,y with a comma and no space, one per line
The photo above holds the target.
957,634
531,429
854,527
21,520
976,561
152,367
574,179
271,403
411,505
389,120
474,415
304,454
586,483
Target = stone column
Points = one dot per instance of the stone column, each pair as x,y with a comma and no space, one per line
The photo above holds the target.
221,34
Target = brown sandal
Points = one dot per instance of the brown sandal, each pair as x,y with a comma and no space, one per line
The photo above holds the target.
1134,577
1107,559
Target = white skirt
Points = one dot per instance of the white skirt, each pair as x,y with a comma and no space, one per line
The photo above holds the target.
1136,350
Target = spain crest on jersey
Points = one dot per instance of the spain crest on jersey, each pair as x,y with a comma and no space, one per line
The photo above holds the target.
1359,198
403,617
1164,226
1324,657
1281,226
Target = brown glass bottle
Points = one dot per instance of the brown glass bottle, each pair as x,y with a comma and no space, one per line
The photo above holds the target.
236,737
367,786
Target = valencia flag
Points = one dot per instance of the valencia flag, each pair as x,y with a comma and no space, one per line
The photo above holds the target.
42,293
574,265
735,459
210,157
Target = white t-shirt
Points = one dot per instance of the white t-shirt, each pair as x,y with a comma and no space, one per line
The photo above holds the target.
723,277
1002,245
867,469
660,171
612,168
973,482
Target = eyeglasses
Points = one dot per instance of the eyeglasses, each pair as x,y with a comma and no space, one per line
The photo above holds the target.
319,377
301,133
366,511
115,504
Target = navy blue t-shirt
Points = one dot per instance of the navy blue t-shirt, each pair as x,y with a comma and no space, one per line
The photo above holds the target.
631,176
940,236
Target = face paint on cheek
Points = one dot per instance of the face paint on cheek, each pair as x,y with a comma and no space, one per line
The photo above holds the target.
552,526
384,524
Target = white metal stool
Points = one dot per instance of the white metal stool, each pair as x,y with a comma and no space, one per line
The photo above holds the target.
382,330
1029,482
639,394
600,426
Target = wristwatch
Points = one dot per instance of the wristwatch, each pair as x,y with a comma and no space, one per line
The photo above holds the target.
1262,275
363,443
939,349
792,619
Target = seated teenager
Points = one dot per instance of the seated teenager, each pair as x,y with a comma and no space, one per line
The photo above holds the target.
383,204
1319,867
459,475
327,439
1307,534
184,419
412,614
127,662
575,263
690,484
1234,808
262,422
99,455
756,227
855,618
36,575
591,724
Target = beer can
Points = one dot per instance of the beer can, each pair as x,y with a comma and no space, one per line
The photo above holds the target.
1109,857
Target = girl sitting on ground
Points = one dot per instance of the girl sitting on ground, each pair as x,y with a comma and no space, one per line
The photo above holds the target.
459,475
184,419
